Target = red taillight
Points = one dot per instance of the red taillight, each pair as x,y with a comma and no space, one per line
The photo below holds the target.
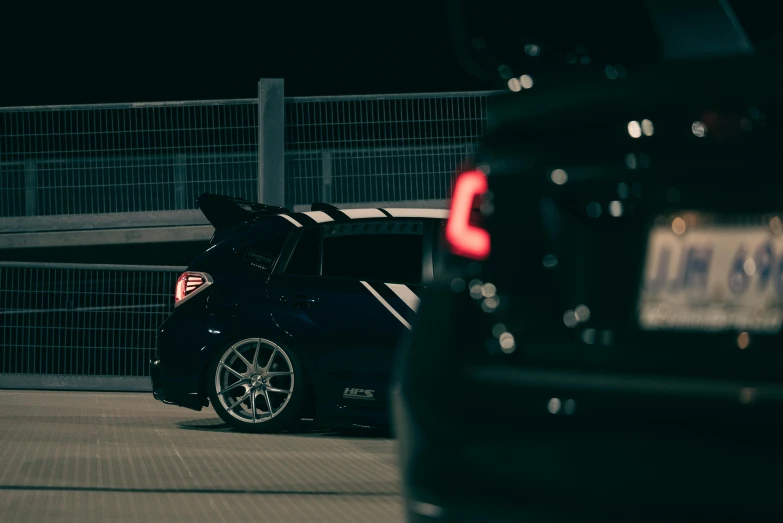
190,283
464,238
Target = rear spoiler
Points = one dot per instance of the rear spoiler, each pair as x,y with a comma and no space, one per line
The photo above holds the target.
225,211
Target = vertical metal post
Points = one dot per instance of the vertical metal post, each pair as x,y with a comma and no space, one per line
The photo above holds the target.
271,142
30,187
179,182
326,176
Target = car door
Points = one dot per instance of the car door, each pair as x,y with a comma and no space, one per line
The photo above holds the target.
349,291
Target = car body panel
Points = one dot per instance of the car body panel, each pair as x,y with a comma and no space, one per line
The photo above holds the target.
348,332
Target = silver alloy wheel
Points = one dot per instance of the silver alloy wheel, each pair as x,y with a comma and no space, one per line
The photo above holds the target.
249,391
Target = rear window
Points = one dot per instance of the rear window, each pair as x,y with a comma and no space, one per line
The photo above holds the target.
262,244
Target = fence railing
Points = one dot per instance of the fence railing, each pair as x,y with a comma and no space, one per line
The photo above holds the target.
124,157
391,174
387,148
89,321
93,326
113,158
112,184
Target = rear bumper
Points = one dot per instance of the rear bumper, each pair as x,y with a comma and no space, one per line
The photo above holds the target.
626,467
157,381
533,446
184,344
172,395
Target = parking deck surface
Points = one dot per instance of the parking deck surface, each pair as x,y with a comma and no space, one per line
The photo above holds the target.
82,456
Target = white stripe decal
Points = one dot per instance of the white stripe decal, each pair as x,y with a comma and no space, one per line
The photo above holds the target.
406,295
319,216
386,304
290,219
363,213
418,213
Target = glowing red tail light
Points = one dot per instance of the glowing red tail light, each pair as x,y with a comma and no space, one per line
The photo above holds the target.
189,284
464,238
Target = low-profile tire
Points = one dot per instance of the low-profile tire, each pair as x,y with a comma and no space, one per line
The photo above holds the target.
257,385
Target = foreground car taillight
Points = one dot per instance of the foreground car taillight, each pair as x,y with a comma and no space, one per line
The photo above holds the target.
189,284
465,238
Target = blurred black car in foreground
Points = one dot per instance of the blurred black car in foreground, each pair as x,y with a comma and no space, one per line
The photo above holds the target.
605,342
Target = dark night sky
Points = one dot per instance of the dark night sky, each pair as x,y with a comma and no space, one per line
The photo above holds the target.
128,51
119,51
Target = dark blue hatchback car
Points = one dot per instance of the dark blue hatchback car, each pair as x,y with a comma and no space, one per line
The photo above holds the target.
291,315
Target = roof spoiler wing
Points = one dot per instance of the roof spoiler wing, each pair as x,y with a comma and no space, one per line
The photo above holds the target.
225,211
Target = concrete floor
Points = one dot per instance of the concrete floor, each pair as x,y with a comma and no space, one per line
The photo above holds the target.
83,457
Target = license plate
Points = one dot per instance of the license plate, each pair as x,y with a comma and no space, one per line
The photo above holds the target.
713,277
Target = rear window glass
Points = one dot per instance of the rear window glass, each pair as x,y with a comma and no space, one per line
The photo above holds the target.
263,242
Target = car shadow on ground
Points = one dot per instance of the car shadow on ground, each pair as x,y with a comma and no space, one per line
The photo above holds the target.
304,428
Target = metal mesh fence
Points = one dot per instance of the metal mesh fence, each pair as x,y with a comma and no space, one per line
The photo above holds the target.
81,320
125,157
99,320
375,149
160,156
